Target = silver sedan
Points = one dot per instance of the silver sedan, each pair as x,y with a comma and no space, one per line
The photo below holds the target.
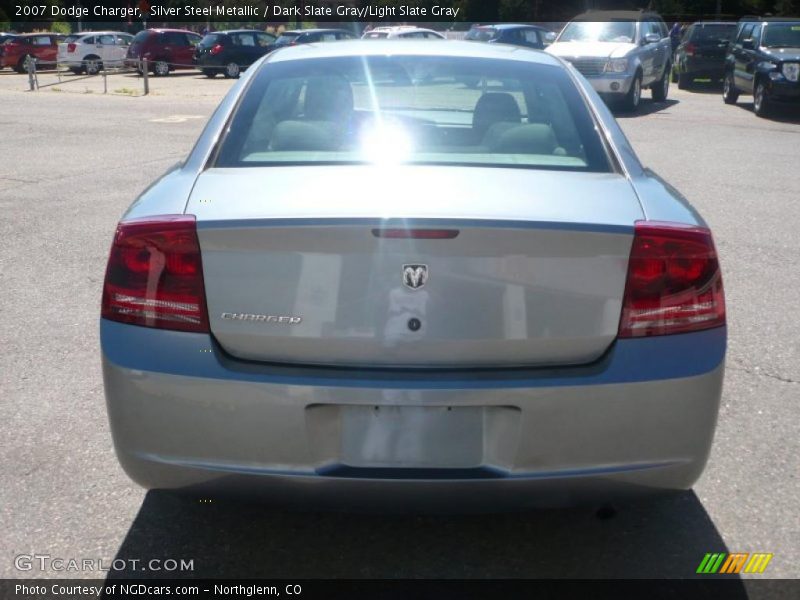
372,284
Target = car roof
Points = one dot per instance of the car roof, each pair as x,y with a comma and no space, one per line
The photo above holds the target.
507,26
607,15
393,27
411,30
769,19
703,23
318,30
170,30
229,31
85,33
450,48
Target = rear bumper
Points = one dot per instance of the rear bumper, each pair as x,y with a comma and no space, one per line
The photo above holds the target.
207,61
702,67
186,416
8,61
70,61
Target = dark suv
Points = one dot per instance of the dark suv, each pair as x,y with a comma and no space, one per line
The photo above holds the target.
701,52
230,52
311,36
764,60
164,49
41,46
528,36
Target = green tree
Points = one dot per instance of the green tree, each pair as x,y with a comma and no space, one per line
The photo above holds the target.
516,10
785,8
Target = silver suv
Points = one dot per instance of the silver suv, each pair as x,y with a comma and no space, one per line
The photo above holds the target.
620,53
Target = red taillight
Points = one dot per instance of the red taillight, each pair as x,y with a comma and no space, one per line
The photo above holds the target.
690,49
71,47
155,275
216,49
416,234
674,281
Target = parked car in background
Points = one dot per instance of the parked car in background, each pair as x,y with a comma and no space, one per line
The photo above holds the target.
271,324
230,52
620,53
89,52
701,52
41,46
764,60
309,36
527,36
165,50
402,32
5,37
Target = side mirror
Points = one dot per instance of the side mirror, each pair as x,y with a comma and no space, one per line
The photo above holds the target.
549,37
651,38
749,44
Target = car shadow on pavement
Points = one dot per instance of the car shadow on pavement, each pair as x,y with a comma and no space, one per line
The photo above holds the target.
661,537
646,107
705,87
784,113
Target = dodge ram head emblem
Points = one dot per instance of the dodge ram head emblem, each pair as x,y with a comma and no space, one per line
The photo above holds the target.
415,276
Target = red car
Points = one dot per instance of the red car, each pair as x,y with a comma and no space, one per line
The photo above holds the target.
164,49
41,46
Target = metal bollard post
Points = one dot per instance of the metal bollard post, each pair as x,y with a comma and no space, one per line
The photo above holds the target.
30,66
144,74
105,81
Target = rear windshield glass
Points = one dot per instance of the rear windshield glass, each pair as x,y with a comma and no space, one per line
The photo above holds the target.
286,38
72,38
599,31
211,39
713,33
422,110
782,35
481,34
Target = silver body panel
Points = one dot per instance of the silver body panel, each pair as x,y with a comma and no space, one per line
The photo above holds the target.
184,417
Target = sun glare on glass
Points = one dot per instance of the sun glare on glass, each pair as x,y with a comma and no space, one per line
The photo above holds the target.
386,143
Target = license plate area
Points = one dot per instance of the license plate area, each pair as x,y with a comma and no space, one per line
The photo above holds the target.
412,436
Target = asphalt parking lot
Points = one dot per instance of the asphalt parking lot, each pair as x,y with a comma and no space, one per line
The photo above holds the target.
74,159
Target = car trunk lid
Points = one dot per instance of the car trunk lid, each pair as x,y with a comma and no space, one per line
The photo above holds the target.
317,265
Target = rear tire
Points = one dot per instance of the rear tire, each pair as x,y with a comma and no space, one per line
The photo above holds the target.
729,92
661,89
21,67
634,95
160,68
762,104
232,71
684,81
92,65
